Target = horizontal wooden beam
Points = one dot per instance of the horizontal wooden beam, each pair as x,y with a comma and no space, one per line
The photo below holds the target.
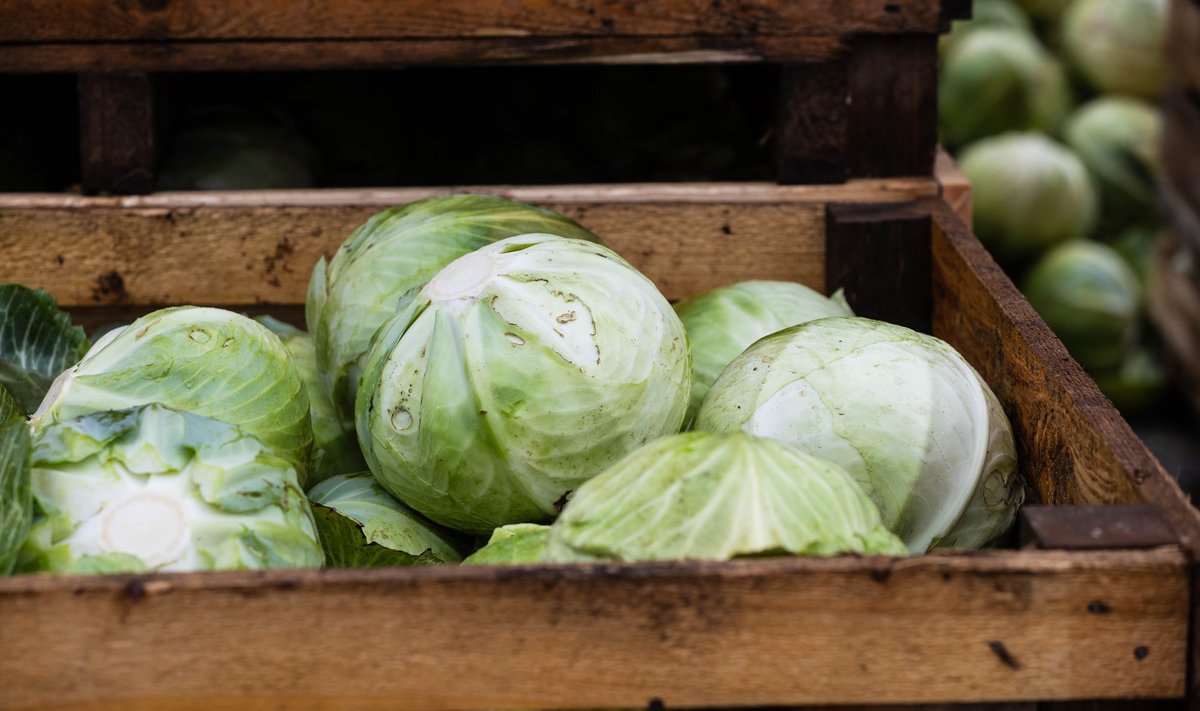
259,247
220,20
985,626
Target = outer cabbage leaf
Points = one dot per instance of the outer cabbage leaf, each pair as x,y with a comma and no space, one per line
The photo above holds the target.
151,488
715,497
901,411
37,342
208,361
395,251
335,444
515,544
16,497
363,527
724,322
519,372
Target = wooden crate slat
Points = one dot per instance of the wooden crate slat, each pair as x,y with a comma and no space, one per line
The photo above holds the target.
1073,446
1183,42
1181,146
244,248
989,626
393,53
117,136
208,20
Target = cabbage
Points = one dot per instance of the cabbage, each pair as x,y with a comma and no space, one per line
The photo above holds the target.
723,322
150,488
16,498
1118,45
1030,193
362,527
1046,10
1117,138
233,148
208,361
996,14
1138,384
395,251
515,544
995,80
1089,297
715,497
520,371
335,443
901,411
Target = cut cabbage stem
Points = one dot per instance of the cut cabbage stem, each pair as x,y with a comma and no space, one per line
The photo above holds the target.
151,526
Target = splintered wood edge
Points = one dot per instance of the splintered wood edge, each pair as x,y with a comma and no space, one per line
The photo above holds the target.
1074,447
969,626
240,248
956,189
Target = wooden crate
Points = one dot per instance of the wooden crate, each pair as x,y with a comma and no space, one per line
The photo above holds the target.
1095,607
857,94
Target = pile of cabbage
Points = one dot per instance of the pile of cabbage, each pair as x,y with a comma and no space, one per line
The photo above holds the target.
482,380
1050,107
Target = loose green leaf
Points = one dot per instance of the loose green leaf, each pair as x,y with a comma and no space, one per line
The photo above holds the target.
37,342
515,544
362,526
16,497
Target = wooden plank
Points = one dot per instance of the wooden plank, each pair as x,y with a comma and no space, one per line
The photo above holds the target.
810,129
1095,527
1073,446
1181,132
956,189
1173,302
117,133
988,626
879,254
396,53
209,20
892,127
1183,37
264,254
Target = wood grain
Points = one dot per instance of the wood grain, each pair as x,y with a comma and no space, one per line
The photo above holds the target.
397,53
208,20
986,626
1183,39
259,247
892,122
1073,447
956,189
117,137
1181,141
809,141
880,256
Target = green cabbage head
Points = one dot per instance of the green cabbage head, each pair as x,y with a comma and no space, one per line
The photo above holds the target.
901,411
1030,194
395,251
16,499
709,496
208,361
1119,45
151,488
519,372
723,322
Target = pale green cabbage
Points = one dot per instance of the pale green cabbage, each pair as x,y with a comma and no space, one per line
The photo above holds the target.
395,251
710,496
520,371
1118,140
1119,45
208,361
1030,193
901,411
151,488
723,322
